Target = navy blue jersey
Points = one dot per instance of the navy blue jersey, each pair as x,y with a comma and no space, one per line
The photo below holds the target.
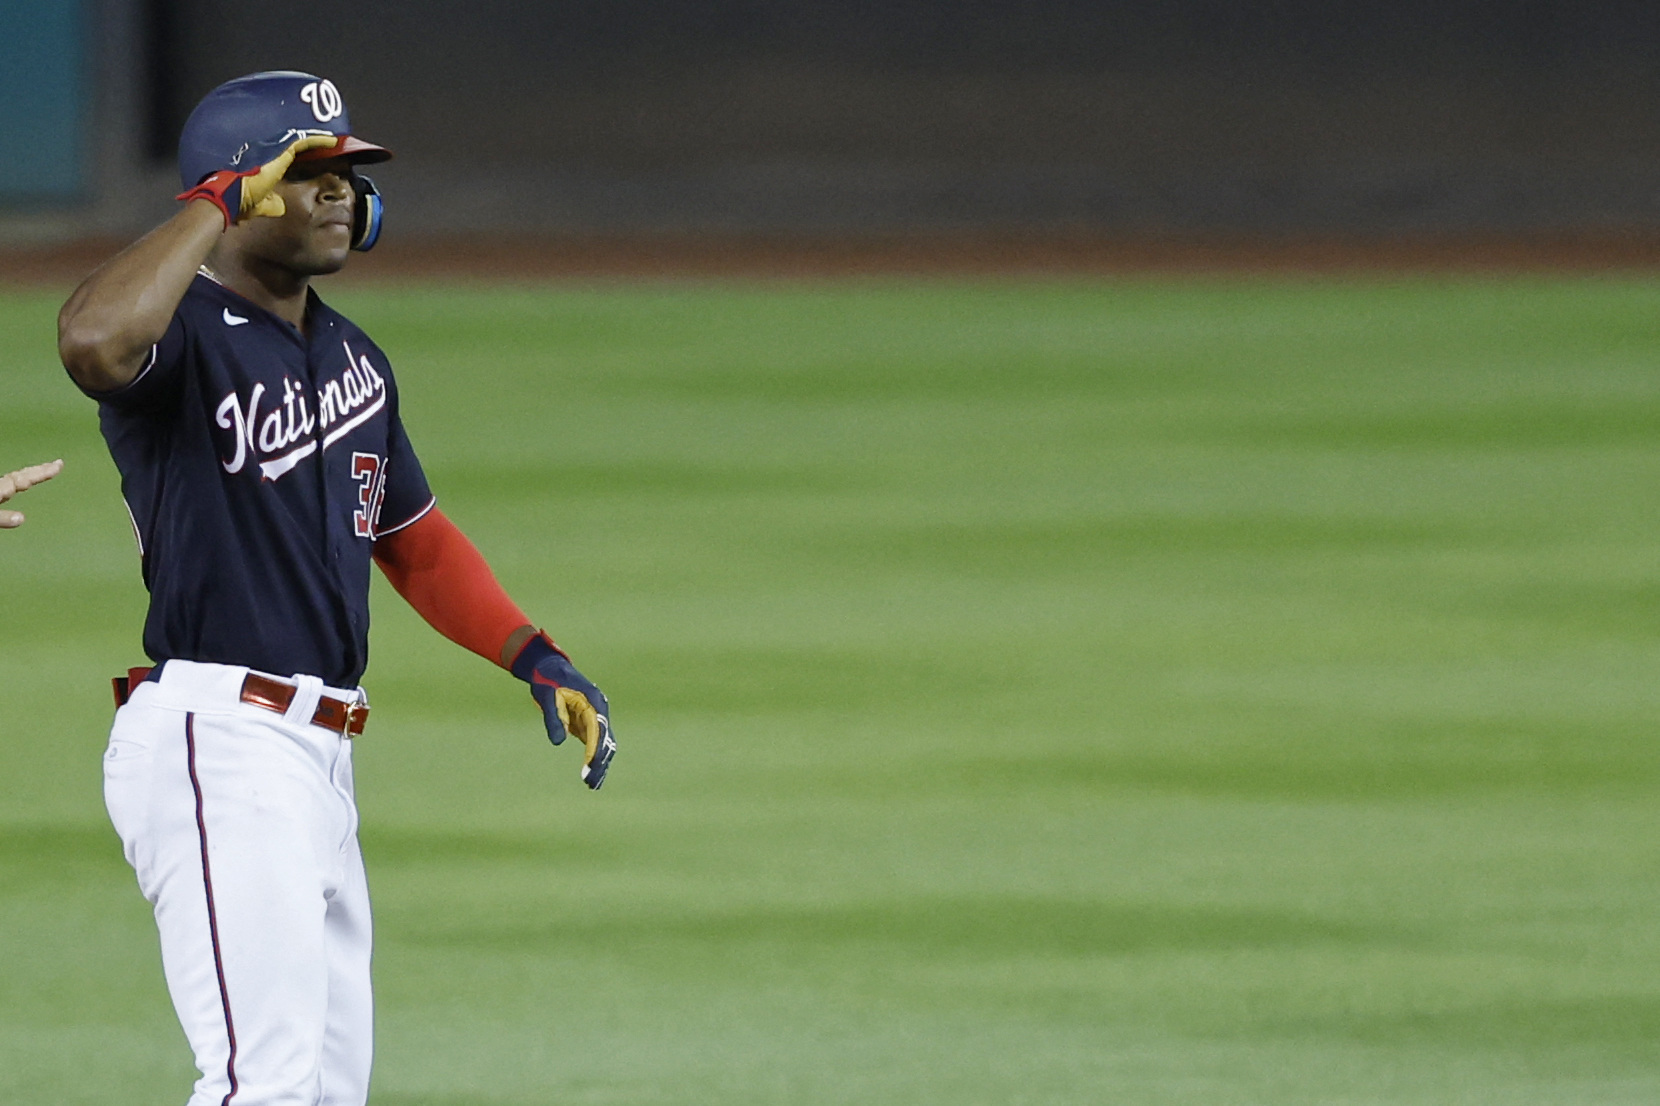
260,464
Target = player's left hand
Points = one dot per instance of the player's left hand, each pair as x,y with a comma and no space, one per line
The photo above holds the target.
570,704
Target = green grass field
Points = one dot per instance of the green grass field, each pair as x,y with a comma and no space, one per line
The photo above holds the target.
1139,692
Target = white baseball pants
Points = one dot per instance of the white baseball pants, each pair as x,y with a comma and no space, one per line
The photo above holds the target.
242,828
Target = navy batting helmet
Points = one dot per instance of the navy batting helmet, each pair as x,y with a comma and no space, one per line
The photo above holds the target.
245,123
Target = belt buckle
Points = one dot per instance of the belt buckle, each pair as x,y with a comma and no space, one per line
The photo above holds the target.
357,715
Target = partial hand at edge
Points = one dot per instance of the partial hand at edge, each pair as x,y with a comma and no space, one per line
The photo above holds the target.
22,480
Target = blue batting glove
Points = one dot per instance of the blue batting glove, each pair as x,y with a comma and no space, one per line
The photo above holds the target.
570,704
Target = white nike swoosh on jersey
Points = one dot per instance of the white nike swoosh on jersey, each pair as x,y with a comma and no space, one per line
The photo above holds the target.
233,320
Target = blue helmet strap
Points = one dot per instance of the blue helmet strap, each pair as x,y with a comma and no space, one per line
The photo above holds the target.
366,214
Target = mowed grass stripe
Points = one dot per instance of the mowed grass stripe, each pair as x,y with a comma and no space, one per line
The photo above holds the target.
1146,691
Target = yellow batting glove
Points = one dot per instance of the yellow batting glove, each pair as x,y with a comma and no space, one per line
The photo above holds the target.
590,727
570,703
258,195
250,193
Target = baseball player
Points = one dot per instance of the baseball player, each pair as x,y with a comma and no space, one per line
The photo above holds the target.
21,481
265,466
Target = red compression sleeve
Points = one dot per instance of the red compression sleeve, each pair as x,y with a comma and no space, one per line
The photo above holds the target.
445,578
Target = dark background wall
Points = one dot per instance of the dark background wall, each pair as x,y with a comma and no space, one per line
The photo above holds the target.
1182,115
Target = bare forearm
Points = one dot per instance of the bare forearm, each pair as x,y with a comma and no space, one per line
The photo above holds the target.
108,326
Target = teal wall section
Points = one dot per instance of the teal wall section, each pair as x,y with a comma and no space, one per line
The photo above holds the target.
42,100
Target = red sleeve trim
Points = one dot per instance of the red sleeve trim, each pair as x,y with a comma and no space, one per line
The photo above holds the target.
444,577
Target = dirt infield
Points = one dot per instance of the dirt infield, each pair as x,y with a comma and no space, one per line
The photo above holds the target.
714,257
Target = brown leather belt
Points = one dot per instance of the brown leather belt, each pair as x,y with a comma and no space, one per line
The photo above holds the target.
344,718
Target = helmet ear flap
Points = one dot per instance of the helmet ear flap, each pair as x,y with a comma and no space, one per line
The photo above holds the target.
366,214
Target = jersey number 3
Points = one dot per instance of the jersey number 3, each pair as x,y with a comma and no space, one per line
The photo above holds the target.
370,473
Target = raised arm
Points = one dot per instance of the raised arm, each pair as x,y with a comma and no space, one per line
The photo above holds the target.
445,578
106,329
